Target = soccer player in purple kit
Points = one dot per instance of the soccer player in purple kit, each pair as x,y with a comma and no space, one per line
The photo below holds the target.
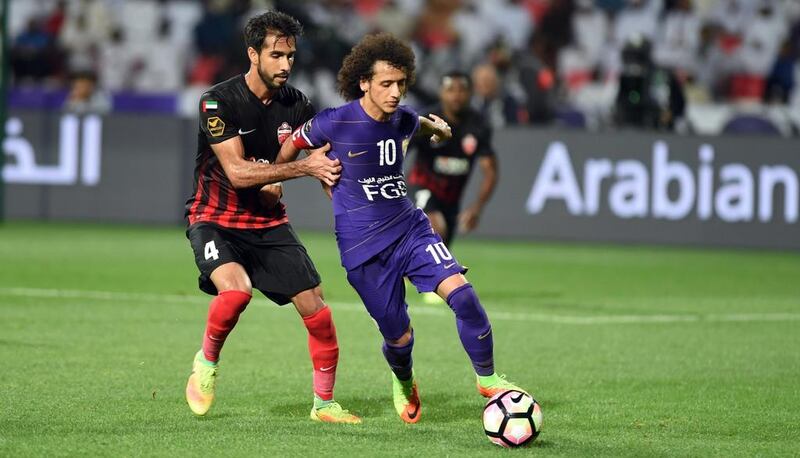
382,237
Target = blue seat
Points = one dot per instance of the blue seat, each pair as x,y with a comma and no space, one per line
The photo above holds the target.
750,125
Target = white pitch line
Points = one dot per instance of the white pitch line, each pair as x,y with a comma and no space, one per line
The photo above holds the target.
442,310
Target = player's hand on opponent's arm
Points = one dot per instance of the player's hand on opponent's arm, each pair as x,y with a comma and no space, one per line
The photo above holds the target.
436,127
318,165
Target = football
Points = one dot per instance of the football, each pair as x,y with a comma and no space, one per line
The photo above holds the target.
512,419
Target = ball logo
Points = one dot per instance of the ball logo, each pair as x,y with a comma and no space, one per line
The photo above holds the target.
469,144
284,131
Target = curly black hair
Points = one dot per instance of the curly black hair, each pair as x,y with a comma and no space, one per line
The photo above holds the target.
280,24
360,63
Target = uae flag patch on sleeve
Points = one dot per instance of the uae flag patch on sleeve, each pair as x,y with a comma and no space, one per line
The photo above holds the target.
209,105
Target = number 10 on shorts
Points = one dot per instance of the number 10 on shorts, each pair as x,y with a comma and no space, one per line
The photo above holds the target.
439,252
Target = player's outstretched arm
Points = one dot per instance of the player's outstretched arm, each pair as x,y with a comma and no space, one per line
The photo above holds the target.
434,127
247,174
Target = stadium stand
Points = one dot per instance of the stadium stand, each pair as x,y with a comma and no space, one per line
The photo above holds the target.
541,59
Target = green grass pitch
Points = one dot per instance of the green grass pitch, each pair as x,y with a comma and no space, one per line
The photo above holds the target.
635,351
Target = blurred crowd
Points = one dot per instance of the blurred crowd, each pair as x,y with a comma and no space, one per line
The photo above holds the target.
639,62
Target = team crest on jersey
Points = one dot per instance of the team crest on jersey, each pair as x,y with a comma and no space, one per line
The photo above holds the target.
284,131
469,144
405,143
215,126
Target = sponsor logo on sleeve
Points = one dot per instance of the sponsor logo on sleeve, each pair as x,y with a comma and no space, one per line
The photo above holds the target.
215,126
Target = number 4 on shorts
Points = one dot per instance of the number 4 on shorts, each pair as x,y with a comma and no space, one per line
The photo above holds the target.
211,251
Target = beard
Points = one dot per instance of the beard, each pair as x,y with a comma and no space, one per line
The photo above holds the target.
271,80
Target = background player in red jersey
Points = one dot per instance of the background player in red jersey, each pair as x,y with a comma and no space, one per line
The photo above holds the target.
238,231
441,170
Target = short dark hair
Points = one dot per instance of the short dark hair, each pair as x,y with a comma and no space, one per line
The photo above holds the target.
280,24
84,74
360,63
456,74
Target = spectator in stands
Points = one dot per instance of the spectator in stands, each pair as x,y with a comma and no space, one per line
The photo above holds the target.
781,83
578,62
761,42
436,39
32,56
679,40
555,31
490,99
55,20
214,35
120,63
164,68
538,81
85,96
649,96
725,30
638,18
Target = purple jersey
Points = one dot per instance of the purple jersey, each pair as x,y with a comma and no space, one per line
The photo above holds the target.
370,206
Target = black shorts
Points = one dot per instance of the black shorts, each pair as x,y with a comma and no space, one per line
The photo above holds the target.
424,199
274,259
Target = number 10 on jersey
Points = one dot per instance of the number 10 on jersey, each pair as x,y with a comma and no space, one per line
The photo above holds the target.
388,152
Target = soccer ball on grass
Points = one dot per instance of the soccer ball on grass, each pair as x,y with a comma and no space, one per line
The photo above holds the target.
512,418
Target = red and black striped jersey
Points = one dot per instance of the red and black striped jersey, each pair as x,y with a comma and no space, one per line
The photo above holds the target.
227,110
444,168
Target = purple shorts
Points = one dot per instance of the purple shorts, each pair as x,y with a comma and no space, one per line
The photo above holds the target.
419,255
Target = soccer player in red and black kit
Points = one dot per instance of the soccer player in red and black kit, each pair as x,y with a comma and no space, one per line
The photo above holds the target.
441,170
238,229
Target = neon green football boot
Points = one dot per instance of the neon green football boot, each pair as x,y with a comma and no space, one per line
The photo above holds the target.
493,384
406,398
332,412
202,382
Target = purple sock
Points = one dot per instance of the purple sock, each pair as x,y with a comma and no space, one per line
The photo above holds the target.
399,358
474,328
